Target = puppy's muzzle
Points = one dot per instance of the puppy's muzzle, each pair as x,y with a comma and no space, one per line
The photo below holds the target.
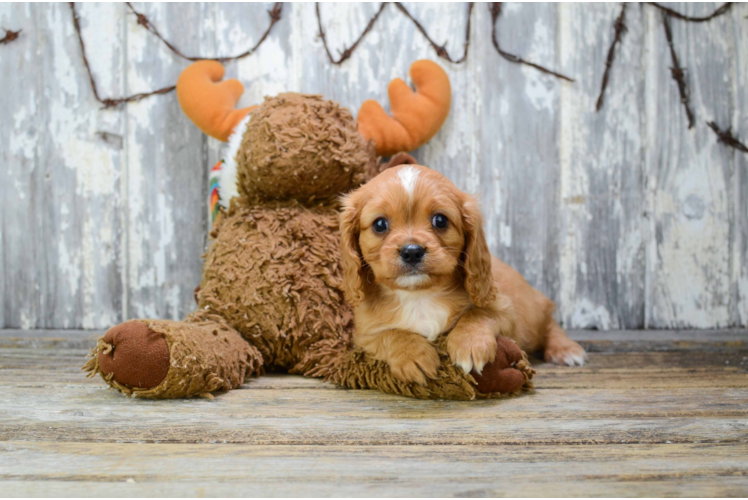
412,255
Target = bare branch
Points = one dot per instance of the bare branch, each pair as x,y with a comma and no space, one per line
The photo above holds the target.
347,52
726,137
677,72
495,9
274,13
620,29
9,36
721,10
108,102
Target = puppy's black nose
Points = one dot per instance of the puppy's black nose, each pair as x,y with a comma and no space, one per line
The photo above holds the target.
412,254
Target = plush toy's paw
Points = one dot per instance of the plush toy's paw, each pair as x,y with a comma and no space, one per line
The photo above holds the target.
134,355
502,375
419,362
471,349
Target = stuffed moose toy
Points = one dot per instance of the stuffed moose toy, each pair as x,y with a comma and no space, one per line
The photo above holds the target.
271,295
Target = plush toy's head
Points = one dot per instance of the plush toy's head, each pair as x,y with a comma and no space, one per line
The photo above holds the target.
303,147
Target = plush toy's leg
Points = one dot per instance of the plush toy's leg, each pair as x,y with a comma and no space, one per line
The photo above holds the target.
507,373
173,359
340,363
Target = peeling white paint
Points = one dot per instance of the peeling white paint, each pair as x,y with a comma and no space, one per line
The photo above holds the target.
505,235
22,141
540,89
585,314
95,172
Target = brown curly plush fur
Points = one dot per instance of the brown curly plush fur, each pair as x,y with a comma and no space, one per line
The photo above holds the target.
272,273
301,147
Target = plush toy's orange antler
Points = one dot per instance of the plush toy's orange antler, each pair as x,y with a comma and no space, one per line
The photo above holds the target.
416,116
209,102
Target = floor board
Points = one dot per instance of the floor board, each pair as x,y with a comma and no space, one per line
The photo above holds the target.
670,420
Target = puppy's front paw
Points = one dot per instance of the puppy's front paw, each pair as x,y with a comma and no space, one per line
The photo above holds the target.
470,349
416,364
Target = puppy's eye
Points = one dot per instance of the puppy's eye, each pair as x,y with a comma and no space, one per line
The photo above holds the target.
380,225
439,221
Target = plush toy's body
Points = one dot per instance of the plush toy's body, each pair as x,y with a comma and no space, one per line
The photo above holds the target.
270,297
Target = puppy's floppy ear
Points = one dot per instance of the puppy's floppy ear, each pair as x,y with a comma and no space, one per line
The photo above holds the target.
350,252
477,259
400,159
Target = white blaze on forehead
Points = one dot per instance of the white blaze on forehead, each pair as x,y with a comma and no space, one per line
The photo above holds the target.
408,177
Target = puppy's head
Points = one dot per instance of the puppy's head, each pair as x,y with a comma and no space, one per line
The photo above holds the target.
410,228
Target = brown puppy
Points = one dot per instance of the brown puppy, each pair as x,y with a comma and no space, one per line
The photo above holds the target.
416,265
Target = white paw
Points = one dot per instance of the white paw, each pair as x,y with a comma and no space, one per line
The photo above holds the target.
471,351
467,365
570,355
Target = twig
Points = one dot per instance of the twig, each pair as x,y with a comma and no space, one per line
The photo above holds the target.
677,72
9,36
107,102
726,137
441,50
721,10
274,13
620,28
348,51
495,9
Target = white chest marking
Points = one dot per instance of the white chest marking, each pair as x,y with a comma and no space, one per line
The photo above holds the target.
408,177
422,313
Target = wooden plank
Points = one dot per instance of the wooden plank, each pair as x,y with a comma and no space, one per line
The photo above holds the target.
661,340
19,374
719,486
595,340
688,174
333,430
739,121
49,339
279,414
166,179
675,364
602,247
662,361
154,469
517,140
714,486
318,400
62,210
19,133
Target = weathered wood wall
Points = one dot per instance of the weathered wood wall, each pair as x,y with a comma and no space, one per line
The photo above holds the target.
625,217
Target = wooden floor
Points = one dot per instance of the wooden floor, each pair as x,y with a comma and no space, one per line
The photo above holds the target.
656,414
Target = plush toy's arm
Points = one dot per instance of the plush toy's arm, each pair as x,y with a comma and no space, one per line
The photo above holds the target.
416,116
209,102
